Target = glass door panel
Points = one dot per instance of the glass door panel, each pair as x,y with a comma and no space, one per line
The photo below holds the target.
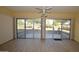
37,28
66,29
20,28
57,29
49,28
29,28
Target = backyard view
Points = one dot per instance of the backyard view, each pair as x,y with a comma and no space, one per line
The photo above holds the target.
31,28
53,28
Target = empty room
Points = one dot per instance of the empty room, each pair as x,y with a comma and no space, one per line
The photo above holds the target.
39,28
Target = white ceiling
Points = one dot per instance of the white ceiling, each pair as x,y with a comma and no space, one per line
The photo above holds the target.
71,9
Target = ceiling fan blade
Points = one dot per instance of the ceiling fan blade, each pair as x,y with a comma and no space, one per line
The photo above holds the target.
44,11
38,9
49,9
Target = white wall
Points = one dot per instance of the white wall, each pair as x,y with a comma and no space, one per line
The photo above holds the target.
6,28
76,34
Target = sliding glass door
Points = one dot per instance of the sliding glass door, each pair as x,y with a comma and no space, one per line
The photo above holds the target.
49,28
57,34
35,29
20,30
66,29
57,29
28,28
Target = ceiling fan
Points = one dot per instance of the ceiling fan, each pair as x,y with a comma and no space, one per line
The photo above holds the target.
44,11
